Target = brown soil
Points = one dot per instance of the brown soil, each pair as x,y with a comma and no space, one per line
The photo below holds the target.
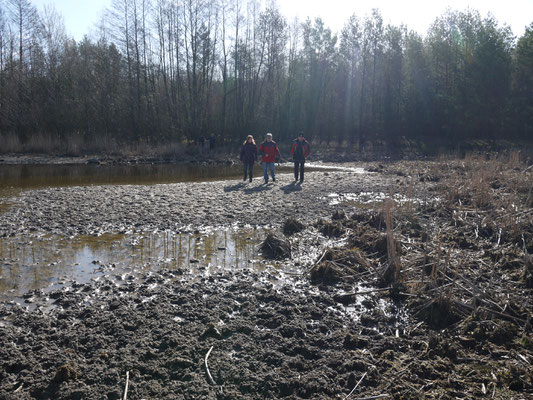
428,297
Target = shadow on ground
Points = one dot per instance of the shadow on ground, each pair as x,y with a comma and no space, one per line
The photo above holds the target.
233,188
257,189
292,187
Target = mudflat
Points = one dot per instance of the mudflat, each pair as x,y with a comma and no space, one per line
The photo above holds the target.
424,295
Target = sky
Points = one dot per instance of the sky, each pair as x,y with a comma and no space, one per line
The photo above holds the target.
80,17
416,14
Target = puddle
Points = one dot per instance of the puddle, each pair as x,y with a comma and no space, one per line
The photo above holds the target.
369,199
32,176
46,262
49,262
325,167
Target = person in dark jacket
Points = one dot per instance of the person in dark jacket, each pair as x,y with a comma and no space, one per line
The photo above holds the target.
270,152
299,151
249,156
201,141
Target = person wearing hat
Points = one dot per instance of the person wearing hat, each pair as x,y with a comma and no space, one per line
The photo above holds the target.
249,156
299,151
269,151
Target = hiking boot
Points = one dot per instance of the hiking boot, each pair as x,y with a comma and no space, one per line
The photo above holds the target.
273,179
250,179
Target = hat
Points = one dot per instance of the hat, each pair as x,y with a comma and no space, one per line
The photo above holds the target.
300,134
269,134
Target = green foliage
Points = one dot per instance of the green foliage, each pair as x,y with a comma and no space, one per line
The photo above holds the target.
523,84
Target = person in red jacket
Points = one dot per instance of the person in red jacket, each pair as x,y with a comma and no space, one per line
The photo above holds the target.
299,152
269,151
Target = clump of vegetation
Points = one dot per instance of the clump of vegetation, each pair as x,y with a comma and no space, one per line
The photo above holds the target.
336,265
326,272
292,226
330,229
372,218
338,215
66,372
471,220
276,247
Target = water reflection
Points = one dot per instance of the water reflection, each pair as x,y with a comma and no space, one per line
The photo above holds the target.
34,176
50,261
21,176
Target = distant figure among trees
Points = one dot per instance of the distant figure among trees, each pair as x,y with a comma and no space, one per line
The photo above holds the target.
299,151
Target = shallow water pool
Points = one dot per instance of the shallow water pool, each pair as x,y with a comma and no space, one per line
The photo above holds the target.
29,176
50,261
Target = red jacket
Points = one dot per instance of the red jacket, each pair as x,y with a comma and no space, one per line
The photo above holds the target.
269,151
300,150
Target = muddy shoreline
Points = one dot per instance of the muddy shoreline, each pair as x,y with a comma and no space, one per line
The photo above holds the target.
182,207
344,326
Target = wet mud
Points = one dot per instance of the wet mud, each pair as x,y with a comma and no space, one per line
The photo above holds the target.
423,296
179,207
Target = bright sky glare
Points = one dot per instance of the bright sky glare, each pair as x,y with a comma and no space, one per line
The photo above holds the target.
81,16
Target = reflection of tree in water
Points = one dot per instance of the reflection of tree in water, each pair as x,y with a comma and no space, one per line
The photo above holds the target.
52,175
221,248
244,242
33,264
210,249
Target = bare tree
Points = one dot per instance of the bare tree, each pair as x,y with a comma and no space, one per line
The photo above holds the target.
199,38
350,48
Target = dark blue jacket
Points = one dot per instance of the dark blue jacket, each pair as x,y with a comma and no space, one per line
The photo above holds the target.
248,153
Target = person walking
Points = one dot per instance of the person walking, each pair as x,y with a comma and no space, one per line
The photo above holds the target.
249,156
299,151
269,152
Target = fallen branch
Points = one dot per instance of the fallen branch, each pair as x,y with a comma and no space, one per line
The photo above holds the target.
211,380
355,387
379,396
316,263
127,384
506,316
19,388
516,214
366,291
